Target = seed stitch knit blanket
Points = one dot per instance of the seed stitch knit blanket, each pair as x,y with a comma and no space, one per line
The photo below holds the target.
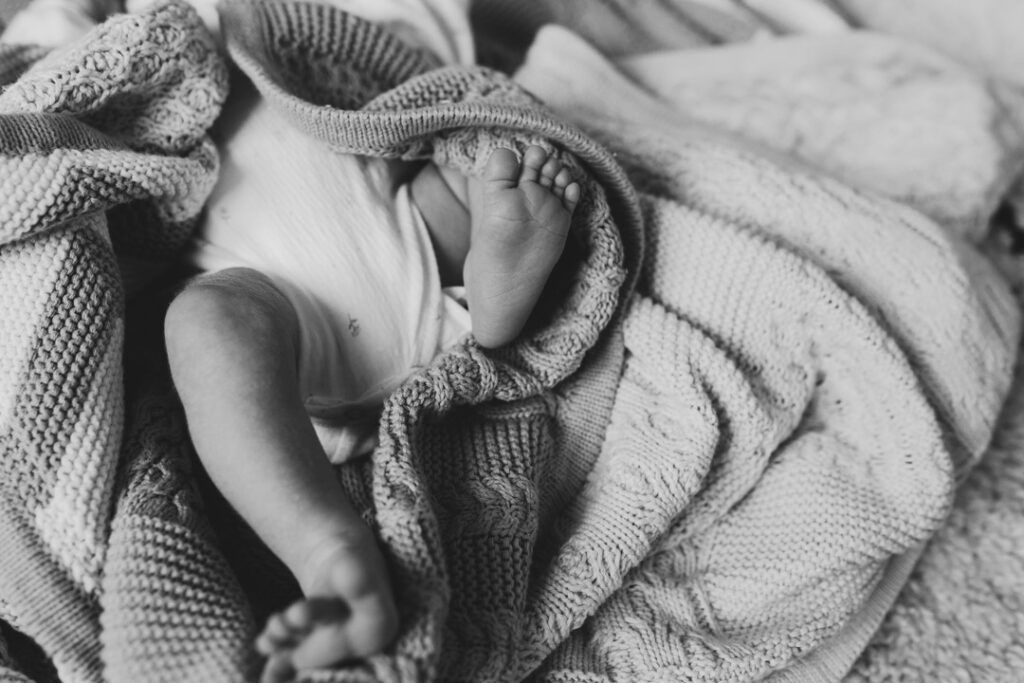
716,458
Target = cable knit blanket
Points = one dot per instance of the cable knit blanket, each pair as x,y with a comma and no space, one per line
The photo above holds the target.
717,460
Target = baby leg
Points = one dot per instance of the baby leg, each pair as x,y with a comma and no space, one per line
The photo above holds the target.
231,341
520,215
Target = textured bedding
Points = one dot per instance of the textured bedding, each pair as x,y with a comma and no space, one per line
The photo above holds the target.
946,141
758,383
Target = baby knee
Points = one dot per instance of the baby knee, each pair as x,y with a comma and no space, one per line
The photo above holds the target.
232,306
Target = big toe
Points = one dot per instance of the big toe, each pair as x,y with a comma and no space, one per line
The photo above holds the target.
278,669
502,167
285,629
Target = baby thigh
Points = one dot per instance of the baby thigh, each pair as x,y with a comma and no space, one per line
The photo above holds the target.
235,319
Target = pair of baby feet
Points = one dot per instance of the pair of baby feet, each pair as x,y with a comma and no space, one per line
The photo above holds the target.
520,212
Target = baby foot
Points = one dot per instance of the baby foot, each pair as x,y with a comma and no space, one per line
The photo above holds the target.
348,611
520,216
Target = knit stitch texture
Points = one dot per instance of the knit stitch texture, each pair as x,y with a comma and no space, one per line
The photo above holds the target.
699,468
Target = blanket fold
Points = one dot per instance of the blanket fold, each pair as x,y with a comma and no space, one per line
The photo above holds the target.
701,465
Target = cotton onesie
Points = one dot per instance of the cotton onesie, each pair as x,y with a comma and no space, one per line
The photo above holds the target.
341,239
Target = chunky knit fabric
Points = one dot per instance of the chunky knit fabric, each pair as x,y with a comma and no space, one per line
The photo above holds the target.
700,467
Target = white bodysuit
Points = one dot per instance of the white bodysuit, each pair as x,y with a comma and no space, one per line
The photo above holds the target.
341,239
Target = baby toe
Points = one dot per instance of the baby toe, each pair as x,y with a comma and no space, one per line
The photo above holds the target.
550,170
277,634
533,161
571,196
278,669
300,616
562,181
502,167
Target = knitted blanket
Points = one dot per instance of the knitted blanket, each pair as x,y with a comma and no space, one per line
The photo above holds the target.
940,131
719,454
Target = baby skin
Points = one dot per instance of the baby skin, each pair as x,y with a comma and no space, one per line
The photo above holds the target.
231,340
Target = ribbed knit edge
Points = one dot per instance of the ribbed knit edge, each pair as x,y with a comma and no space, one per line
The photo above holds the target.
46,133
